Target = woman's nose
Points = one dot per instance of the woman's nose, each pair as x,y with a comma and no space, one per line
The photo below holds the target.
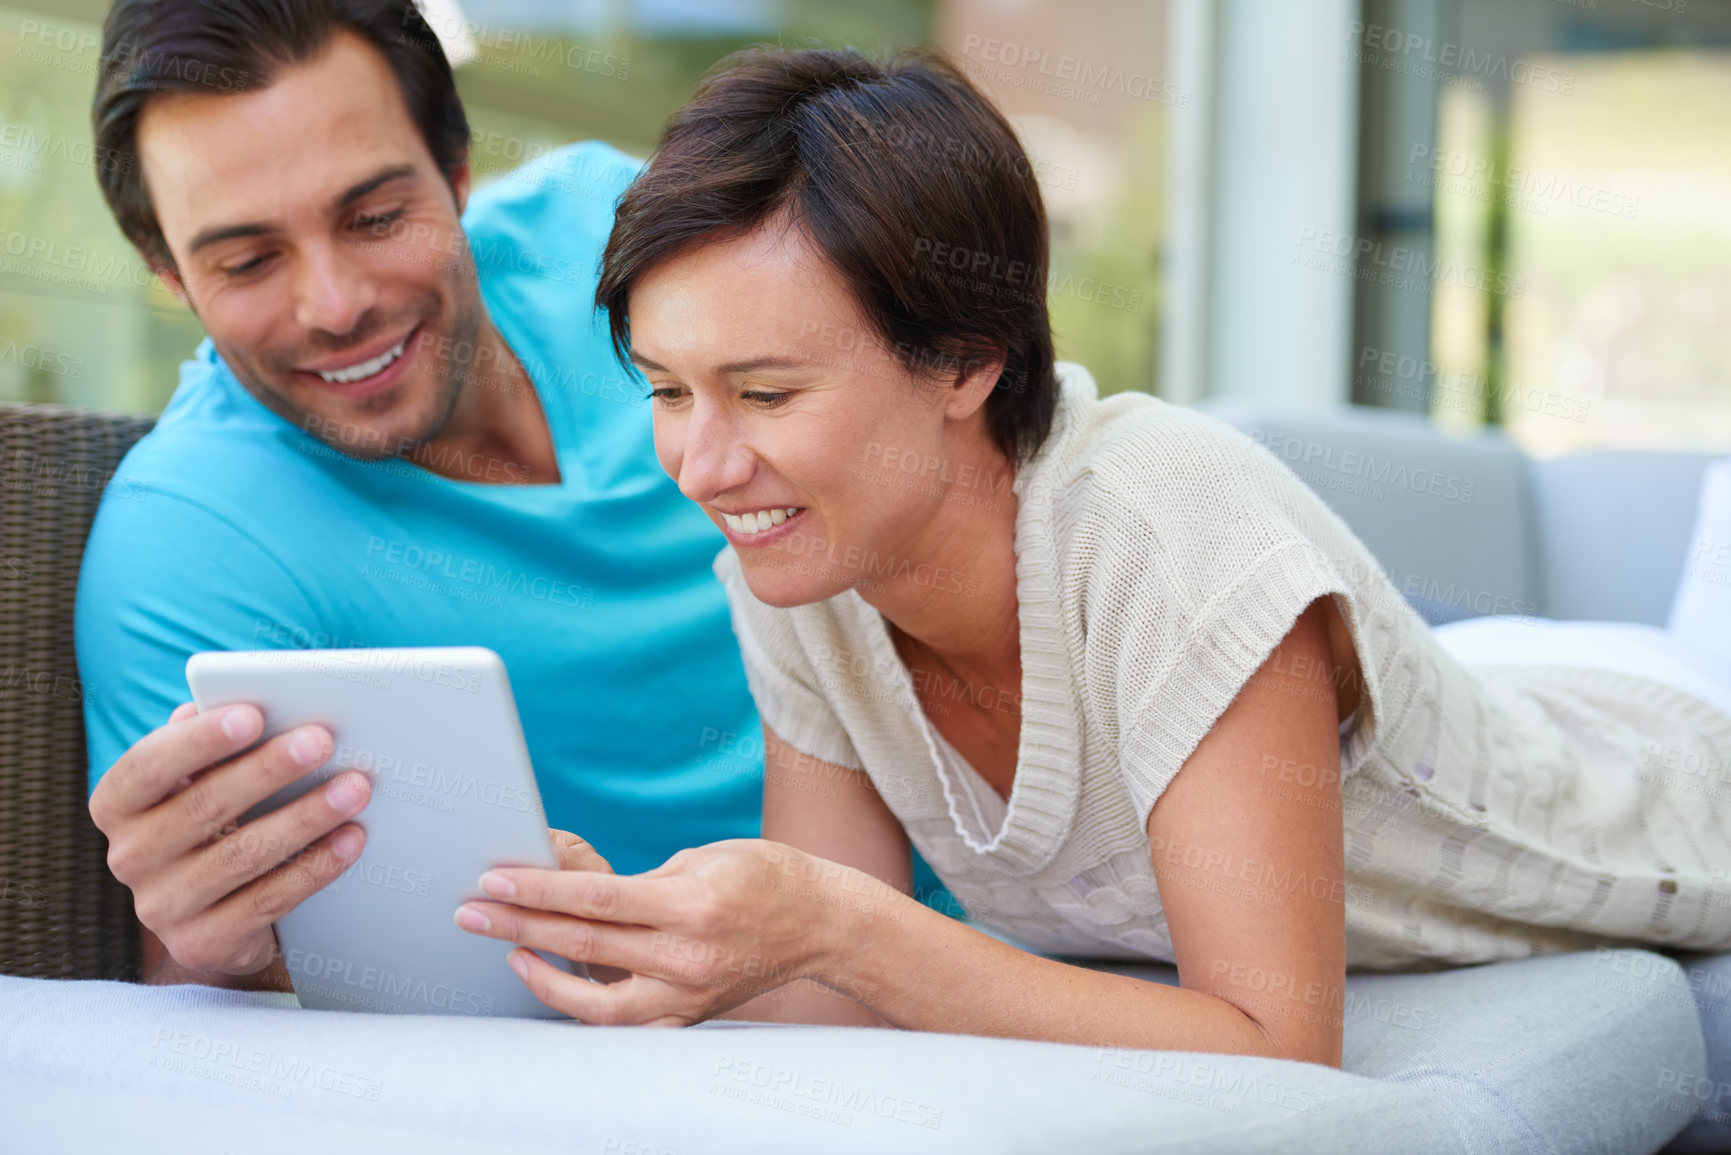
715,458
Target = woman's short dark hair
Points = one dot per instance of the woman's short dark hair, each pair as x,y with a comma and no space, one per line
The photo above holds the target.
150,47
907,180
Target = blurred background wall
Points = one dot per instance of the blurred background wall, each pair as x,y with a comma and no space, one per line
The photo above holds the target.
1515,212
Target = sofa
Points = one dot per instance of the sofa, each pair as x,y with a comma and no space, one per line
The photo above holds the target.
1600,1051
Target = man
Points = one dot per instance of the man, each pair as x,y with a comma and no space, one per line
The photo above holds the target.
393,436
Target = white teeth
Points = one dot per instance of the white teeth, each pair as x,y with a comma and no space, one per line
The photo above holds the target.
365,369
746,524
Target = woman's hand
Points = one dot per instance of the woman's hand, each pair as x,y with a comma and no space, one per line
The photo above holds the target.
576,854
710,929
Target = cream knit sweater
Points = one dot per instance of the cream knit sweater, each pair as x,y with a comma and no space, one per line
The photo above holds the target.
1490,813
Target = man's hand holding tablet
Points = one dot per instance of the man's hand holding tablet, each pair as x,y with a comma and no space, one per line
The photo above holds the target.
218,847
208,888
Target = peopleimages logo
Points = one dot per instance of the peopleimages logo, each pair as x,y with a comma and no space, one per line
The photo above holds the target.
373,665
1313,461
1449,62
254,1068
46,253
23,140
1087,78
341,977
537,49
1520,187
388,768
482,575
1399,266
802,1090
398,878
870,568
1404,375
42,359
1168,1074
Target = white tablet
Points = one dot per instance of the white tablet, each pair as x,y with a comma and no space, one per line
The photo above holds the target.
454,795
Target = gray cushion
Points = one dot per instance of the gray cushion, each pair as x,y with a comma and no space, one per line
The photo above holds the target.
1613,533
1587,537
1706,981
1553,1054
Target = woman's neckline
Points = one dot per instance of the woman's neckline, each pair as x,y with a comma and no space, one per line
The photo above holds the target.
1046,786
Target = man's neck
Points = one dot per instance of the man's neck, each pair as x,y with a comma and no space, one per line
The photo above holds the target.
499,432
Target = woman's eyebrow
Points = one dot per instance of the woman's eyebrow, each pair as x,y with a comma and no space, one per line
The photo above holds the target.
758,364
732,368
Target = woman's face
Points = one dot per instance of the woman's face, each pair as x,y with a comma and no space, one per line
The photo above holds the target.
781,414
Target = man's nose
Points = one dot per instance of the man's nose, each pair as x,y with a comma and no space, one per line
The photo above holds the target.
331,292
715,458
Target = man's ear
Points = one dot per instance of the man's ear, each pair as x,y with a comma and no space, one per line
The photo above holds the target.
973,384
461,181
172,281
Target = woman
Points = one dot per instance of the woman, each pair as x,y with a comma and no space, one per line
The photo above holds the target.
1123,680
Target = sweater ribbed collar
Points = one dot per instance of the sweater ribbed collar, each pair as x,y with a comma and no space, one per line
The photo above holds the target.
1042,804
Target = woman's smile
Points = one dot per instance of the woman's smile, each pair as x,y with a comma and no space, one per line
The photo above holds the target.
760,527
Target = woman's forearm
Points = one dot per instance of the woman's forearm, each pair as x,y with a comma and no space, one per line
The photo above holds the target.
808,1003
921,970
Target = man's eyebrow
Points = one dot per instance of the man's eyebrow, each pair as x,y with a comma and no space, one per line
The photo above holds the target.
350,196
383,177
212,236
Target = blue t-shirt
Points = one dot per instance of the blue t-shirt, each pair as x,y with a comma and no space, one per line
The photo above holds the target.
227,528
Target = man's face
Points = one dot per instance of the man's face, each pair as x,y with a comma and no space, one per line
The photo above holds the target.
321,247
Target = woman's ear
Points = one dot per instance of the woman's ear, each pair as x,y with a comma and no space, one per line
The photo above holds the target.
973,384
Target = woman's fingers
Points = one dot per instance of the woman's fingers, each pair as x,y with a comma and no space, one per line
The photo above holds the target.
638,1001
592,894
696,938
576,854
633,949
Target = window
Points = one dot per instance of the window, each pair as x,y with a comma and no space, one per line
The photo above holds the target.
83,323
1567,182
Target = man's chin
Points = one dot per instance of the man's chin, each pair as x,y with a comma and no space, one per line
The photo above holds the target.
364,436
387,424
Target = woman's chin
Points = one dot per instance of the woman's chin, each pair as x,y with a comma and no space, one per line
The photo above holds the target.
775,580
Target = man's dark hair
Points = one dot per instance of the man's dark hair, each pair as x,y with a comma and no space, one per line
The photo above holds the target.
907,180
151,47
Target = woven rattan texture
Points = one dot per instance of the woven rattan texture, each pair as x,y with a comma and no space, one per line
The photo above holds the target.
62,915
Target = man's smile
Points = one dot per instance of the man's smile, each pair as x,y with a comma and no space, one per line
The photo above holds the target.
365,370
